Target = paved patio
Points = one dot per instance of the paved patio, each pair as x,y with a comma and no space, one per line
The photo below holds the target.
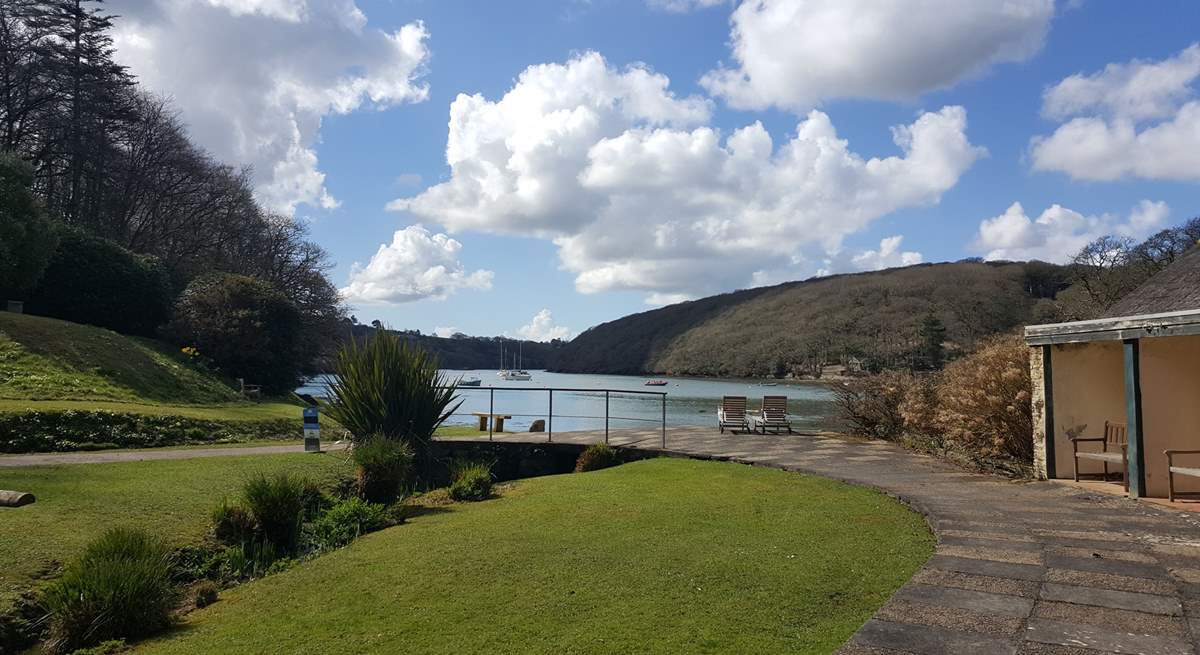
1034,567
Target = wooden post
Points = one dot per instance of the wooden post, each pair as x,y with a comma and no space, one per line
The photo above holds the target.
1136,465
1048,387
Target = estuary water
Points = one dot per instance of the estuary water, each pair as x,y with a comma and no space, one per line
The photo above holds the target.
688,401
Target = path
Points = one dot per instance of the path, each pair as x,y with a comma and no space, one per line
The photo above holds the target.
1021,568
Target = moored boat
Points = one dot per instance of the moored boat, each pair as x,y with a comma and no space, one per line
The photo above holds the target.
656,383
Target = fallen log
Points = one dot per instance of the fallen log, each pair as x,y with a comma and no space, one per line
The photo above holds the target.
15,498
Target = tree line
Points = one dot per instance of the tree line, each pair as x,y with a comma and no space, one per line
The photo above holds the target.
106,164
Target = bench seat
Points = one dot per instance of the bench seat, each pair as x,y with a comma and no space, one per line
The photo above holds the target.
1186,470
1102,457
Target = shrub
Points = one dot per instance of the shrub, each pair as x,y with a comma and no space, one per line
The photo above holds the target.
63,430
245,326
984,400
384,466
232,524
870,406
95,281
204,593
470,481
119,588
27,238
918,409
110,647
597,456
385,387
252,559
277,504
345,521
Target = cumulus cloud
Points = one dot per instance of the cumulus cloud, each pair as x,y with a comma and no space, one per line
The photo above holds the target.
793,54
542,328
254,79
1137,119
638,193
415,265
889,255
1058,233
445,332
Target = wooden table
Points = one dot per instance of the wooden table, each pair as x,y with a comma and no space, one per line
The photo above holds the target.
497,420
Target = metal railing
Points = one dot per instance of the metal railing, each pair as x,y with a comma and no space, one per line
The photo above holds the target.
549,415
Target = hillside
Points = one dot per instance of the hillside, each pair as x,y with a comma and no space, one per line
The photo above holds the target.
48,359
796,327
464,352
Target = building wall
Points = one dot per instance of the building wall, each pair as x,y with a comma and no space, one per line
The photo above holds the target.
1088,389
1170,369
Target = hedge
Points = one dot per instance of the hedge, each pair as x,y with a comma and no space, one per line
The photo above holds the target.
64,430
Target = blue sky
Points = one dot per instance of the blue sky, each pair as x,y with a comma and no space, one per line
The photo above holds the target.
1105,151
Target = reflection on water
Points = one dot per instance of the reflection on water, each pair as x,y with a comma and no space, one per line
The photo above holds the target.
689,401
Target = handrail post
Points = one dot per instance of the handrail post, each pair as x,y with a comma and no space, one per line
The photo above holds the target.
550,419
491,410
664,421
606,416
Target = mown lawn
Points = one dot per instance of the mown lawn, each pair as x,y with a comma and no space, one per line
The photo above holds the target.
662,555
240,411
48,359
76,503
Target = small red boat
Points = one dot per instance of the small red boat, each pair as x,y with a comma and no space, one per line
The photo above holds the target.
656,383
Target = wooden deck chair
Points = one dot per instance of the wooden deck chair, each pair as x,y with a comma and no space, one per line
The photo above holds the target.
731,413
1116,436
772,416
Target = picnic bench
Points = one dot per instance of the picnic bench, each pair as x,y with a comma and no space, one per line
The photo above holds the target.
497,420
1173,470
1116,435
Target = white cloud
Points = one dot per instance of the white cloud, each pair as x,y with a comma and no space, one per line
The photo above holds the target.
660,299
1058,233
794,54
415,265
255,78
445,332
542,328
638,194
889,255
1139,119
409,179
681,6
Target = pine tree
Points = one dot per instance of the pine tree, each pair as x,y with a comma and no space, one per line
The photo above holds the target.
933,335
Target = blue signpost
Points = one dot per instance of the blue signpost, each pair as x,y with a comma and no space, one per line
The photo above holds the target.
312,430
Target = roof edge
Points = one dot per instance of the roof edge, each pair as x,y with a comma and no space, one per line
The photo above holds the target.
1180,323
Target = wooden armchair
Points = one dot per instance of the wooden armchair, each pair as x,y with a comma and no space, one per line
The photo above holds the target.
1116,435
1173,470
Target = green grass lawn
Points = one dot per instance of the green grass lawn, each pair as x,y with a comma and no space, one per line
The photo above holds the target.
239,411
76,503
662,555
48,359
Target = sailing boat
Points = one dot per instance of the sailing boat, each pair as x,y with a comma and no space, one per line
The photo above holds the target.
516,373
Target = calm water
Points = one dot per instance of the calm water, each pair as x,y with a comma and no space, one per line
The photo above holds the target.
689,401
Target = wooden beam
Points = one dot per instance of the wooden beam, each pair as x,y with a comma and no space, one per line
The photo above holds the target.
1048,391
1136,467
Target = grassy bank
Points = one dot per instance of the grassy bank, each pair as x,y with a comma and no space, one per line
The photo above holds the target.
170,498
656,556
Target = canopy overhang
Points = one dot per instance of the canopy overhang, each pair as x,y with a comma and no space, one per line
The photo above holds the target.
1121,328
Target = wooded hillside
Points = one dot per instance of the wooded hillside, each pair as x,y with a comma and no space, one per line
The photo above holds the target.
794,328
